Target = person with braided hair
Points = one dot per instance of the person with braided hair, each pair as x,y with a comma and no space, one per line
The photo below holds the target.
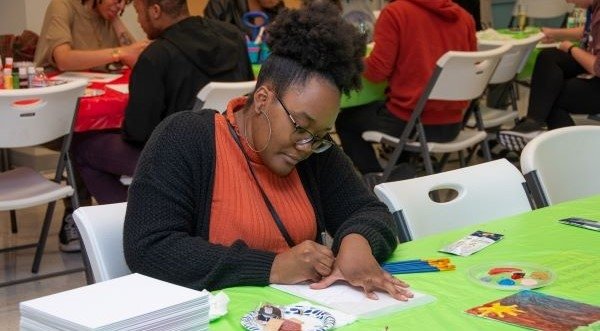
243,197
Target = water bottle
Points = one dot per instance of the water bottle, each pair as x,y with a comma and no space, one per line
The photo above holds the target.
40,79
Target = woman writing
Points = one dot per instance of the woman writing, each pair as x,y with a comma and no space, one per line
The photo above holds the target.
240,198
86,34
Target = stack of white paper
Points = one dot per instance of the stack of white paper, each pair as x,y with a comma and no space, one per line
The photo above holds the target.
133,302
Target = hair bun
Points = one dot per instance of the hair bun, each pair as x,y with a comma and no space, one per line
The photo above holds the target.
319,39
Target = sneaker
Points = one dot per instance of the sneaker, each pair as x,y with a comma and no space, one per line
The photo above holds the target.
516,138
68,236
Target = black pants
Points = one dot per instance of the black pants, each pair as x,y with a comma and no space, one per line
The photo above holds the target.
556,91
352,122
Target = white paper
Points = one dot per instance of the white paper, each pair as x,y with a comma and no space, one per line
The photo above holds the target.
133,297
123,88
96,77
218,304
351,300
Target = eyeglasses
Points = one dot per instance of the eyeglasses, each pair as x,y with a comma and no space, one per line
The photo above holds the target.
301,136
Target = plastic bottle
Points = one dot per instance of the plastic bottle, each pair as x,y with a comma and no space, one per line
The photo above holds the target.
571,19
23,81
30,75
15,79
40,79
7,78
8,63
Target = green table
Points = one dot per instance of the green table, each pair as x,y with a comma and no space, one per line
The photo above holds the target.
573,253
369,93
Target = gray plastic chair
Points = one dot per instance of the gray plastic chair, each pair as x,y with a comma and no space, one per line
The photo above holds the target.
31,117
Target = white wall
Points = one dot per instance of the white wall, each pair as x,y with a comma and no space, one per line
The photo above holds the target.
17,15
12,16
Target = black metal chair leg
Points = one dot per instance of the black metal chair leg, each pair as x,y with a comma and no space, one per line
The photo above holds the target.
43,237
13,221
461,159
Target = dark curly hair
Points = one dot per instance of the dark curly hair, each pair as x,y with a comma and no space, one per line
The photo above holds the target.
313,40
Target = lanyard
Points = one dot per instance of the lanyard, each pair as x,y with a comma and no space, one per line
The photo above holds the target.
272,210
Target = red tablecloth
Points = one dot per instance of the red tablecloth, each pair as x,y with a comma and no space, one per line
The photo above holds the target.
105,111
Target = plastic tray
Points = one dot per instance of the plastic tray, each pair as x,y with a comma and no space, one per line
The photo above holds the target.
512,276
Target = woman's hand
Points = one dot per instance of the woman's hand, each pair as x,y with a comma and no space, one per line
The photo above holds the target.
356,265
306,261
129,54
564,46
549,35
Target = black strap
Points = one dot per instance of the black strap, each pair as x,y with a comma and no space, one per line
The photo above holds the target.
272,210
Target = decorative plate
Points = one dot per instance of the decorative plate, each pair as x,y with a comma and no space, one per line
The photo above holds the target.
512,276
92,92
313,319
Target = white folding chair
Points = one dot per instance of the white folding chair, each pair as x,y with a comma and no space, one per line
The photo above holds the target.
562,164
216,95
30,117
510,66
457,76
484,192
543,9
101,230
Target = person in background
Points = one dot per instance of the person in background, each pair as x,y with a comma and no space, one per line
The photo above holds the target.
86,34
410,36
565,81
232,11
241,198
187,53
473,7
83,35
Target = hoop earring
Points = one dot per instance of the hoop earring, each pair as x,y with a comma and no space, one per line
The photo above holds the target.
268,139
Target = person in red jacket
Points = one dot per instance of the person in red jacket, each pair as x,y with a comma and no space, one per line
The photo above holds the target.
410,36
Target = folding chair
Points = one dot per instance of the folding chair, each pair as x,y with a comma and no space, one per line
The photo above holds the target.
510,66
457,76
101,229
562,164
214,95
543,9
485,192
31,117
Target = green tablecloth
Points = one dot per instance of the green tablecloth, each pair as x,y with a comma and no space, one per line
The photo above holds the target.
573,253
369,93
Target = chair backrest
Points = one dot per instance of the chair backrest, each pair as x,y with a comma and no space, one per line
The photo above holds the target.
463,75
101,230
484,192
562,164
514,59
544,8
216,95
34,116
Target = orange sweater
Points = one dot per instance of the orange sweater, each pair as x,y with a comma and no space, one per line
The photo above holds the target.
238,209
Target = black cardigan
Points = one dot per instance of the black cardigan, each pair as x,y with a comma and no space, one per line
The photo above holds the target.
168,212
